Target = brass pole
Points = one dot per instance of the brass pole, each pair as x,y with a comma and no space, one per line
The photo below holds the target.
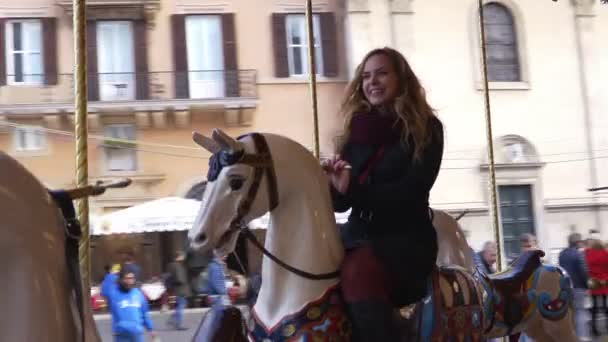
312,71
493,196
81,132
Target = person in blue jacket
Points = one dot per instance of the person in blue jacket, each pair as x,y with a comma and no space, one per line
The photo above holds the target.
129,308
215,285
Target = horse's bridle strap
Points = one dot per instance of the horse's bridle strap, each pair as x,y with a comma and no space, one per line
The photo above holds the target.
265,158
262,163
323,276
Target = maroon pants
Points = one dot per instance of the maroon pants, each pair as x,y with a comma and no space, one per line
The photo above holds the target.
364,278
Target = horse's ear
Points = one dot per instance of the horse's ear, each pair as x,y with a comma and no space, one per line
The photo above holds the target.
226,141
206,142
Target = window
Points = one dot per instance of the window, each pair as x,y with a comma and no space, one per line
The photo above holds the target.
204,46
120,156
116,62
517,216
24,60
297,45
501,44
29,139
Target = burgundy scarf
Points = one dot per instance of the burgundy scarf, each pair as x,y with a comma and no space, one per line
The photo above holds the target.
373,128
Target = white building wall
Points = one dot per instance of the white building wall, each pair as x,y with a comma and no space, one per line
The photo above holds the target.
440,39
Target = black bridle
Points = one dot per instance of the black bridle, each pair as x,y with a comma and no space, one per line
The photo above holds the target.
262,163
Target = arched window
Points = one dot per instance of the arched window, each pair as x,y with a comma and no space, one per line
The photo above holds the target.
501,44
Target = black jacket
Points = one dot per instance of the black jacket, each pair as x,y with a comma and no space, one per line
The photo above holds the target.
394,198
574,263
390,210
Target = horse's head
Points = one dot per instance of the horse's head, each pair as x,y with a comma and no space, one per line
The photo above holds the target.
239,171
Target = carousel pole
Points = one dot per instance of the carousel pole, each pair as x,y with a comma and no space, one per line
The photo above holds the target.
489,136
81,132
312,71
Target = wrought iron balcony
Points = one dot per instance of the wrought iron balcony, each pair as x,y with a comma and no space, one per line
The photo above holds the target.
152,91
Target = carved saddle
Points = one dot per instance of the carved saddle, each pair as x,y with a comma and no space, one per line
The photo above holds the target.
510,286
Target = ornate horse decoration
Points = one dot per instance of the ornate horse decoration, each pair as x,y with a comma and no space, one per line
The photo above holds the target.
43,299
299,299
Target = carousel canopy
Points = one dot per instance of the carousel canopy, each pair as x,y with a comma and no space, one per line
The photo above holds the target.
165,214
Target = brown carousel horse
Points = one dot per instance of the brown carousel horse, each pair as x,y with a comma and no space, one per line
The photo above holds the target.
302,303
42,297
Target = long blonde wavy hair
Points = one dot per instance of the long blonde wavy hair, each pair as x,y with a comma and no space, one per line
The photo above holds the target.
410,104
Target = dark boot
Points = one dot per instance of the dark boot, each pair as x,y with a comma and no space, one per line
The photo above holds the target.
373,321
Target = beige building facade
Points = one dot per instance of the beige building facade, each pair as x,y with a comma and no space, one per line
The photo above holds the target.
547,70
157,70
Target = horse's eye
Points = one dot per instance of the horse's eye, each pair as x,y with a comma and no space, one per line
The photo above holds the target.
236,183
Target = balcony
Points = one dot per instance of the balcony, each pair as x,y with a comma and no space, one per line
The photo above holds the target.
133,92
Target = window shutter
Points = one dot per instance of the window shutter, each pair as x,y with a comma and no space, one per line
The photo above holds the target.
93,76
141,60
231,76
2,52
180,56
49,45
279,34
329,44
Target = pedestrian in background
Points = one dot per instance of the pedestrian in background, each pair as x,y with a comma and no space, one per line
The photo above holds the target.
129,309
180,287
597,264
215,285
573,261
486,258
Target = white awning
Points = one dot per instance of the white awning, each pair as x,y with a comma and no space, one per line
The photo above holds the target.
262,222
165,214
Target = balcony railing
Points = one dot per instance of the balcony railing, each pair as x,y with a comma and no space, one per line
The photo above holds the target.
140,91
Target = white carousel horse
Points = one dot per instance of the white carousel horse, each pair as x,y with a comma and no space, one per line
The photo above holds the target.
259,173
37,297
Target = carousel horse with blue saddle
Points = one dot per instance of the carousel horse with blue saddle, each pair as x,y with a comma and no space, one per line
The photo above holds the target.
300,297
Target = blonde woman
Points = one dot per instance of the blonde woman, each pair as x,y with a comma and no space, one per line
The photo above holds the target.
387,161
